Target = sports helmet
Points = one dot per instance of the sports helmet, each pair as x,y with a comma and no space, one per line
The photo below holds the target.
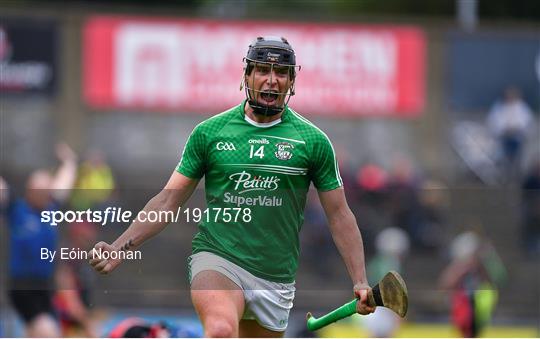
273,51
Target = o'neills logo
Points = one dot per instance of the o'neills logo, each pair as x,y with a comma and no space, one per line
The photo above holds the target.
263,141
245,182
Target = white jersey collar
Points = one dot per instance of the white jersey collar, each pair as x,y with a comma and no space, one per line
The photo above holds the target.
261,124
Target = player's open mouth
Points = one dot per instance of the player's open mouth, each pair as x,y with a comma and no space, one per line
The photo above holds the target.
269,97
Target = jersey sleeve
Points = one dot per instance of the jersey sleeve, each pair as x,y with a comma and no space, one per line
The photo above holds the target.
192,163
325,170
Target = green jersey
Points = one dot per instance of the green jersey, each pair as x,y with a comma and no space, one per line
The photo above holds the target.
266,168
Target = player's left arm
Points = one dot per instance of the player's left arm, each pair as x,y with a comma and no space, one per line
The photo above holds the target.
348,240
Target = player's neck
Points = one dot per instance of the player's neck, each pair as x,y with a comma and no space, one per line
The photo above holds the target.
260,118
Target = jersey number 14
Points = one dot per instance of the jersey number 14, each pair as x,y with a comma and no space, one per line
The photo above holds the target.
258,153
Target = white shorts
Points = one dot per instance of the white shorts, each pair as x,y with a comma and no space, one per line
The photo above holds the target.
267,302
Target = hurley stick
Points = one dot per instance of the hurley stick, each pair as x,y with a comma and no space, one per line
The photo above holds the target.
390,292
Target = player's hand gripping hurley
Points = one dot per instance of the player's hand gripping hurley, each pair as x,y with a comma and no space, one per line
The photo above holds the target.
390,292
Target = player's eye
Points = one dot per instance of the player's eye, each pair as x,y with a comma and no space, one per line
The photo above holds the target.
281,70
263,69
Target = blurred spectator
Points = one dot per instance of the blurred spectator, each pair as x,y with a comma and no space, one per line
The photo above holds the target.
31,278
433,199
531,210
509,121
316,239
371,185
94,187
139,328
95,182
473,275
74,280
371,178
344,158
404,201
392,246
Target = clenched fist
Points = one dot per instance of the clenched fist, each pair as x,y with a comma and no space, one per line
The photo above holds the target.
361,292
104,258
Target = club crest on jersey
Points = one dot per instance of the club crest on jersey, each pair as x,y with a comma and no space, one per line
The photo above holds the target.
284,151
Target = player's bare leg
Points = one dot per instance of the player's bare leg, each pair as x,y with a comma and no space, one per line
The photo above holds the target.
252,329
219,302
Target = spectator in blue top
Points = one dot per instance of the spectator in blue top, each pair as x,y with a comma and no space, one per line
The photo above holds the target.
31,279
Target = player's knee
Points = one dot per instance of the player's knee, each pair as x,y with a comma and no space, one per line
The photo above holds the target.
220,328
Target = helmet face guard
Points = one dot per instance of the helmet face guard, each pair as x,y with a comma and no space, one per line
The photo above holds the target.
272,55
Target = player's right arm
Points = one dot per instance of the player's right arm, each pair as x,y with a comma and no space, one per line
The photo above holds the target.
175,193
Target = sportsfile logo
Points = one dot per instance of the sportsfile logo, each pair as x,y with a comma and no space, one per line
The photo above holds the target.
225,146
245,182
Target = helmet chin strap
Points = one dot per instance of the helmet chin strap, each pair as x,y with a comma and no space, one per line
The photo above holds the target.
263,110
